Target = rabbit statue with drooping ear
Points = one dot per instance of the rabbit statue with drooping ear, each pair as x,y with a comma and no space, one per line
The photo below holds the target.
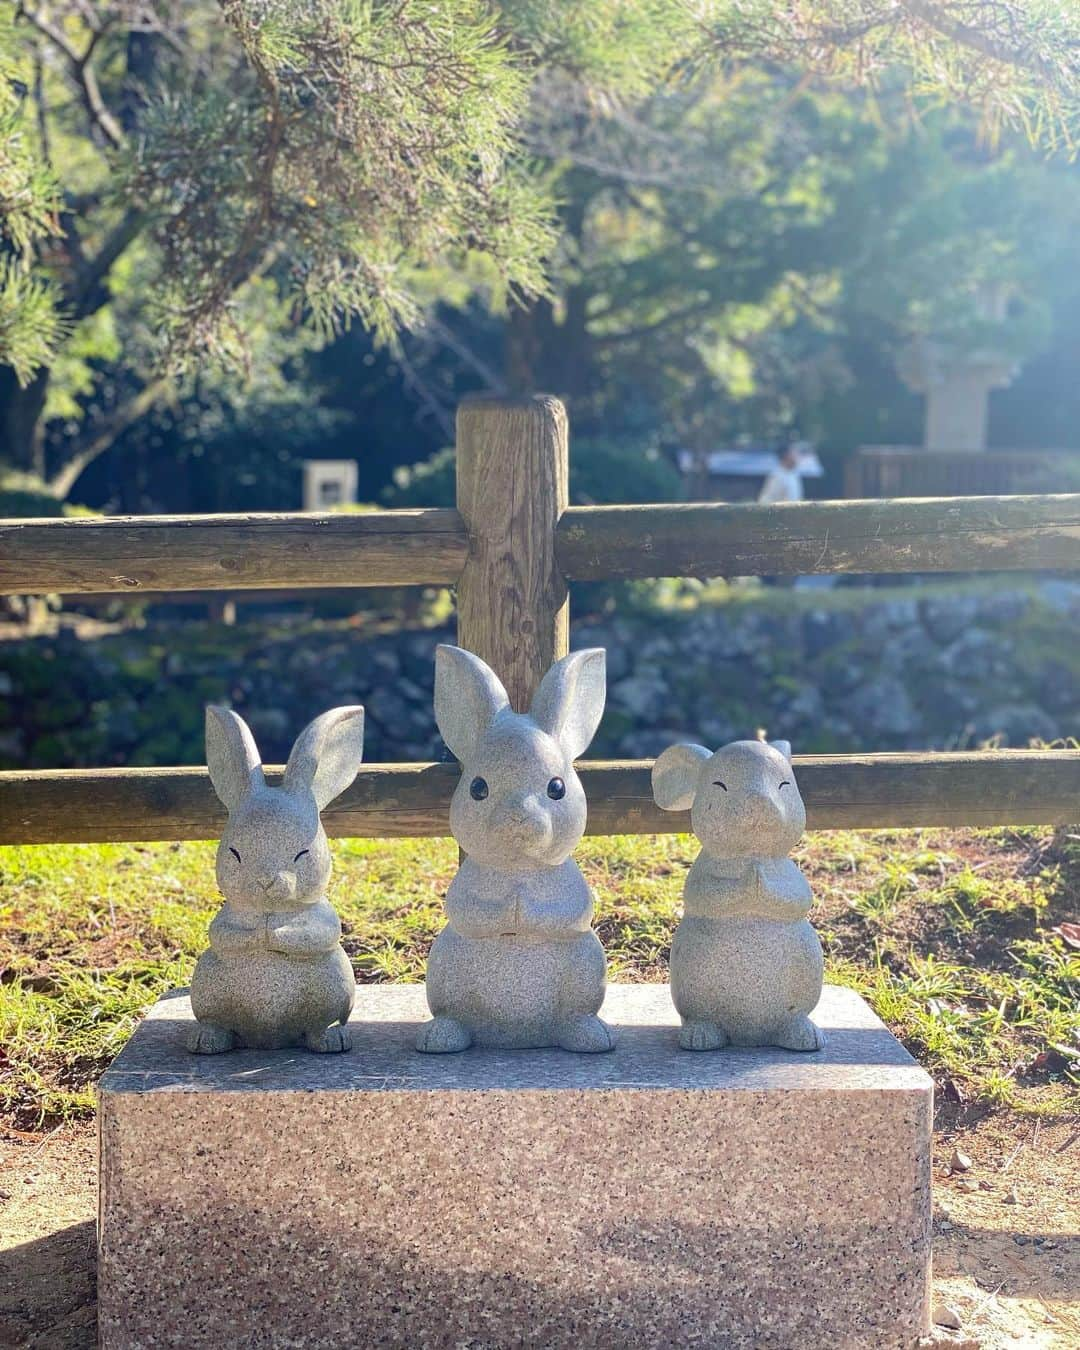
276,974
746,966
518,964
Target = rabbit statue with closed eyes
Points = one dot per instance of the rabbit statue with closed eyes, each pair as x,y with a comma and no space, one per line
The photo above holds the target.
275,974
746,966
518,964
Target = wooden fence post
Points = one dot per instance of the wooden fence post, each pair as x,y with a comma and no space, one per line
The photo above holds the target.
512,474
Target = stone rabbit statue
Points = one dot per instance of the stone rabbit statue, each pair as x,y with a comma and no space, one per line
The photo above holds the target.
517,964
746,966
276,974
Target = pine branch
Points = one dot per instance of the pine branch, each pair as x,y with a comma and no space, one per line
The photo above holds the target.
79,65
443,333
105,434
87,293
1011,49
429,400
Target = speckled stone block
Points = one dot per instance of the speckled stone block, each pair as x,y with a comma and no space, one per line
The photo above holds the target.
649,1197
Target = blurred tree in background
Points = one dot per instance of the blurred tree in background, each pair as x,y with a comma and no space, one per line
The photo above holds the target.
200,189
692,221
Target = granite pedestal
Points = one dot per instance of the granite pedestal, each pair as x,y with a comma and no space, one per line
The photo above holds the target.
647,1197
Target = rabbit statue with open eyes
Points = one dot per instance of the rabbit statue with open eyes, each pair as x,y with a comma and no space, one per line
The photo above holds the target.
276,974
518,964
746,966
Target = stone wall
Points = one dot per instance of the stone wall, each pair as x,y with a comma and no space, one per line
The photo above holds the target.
902,668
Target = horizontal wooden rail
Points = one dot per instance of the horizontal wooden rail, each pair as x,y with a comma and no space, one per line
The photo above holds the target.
948,534
1003,787
400,548
131,554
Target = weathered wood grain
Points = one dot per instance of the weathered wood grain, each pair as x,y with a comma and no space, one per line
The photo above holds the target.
1004,787
131,554
512,477
396,548
949,534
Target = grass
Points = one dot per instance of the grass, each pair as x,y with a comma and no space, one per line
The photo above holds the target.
948,934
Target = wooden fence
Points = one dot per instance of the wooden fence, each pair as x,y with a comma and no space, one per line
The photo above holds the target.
910,471
509,549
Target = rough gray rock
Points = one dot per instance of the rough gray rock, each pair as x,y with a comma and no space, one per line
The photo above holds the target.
883,706
947,616
725,670
645,696
1062,595
825,629
1016,724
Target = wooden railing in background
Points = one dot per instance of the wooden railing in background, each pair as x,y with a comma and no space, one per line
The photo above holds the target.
910,471
509,549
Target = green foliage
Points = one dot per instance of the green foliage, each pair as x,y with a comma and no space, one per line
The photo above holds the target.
600,471
607,471
29,193
362,160
358,140
32,327
21,494
431,482
1015,62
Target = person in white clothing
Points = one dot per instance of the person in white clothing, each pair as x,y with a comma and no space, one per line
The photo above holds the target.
784,483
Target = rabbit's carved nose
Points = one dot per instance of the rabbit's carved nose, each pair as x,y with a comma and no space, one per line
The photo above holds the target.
520,814
761,807
278,884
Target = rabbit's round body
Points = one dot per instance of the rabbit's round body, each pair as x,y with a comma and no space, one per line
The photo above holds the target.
269,998
276,974
518,961
518,964
744,957
746,965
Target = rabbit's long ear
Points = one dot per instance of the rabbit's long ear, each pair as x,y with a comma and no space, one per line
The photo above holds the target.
327,754
570,700
231,756
468,696
784,747
675,776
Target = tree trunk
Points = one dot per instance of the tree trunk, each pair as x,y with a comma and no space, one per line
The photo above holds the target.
549,354
22,444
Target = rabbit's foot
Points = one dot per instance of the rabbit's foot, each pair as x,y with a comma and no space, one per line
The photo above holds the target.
332,1041
206,1038
800,1034
702,1036
443,1036
585,1035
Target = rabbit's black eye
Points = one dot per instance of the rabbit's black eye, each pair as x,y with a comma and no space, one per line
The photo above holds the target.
786,782
556,789
235,854
717,783
301,854
478,789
